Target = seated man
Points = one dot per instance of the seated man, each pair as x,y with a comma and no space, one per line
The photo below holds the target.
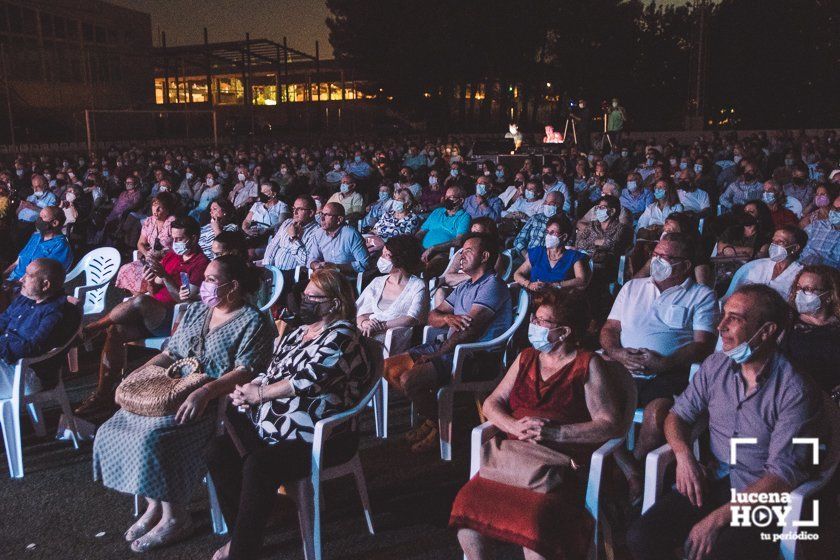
780,270
485,201
338,243
531,201
824,239
294,243
442,230
533,233
37,321
29,208
784,211
657,328
478,310
147,315
750,390
352,201
46,242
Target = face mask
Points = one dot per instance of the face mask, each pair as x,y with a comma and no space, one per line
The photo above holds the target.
778,253
70,197
769,198
625,153
384,265
749,177
309,312
42,226
357,159
821,200
659,194
163,188
106,173
615,104
241,177
168,167
398,206
530,195
673,162
743,352
737,159
683,165
808,303
834,217
698,168
660,269
788,162
538,337
649,162
450,204
453,172
632,186
500,174
551,241
432,181
602,214
218,168
39,194
799,181
549,211
383,196
481,189
344,188
189,176
209,292
337,167
179,247
19,172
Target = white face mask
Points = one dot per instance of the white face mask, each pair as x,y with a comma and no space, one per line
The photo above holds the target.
660,269
778,253
551,241
189,176
179,247
70,197
433,181
538,337
808,303
241,176
384,265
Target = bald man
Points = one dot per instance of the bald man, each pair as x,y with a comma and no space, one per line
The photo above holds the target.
46,242
38,320
338,243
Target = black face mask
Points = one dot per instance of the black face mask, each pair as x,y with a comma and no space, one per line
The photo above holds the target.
685,185
42,226
799,181
309,312
263,198
450,204
749,177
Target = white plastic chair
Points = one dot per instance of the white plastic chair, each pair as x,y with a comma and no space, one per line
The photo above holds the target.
501,344
397,340
487,431
658,461
507,275
10,408
99,267
277,285
157,343
307,492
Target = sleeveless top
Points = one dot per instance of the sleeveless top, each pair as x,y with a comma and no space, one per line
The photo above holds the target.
559,398
563,269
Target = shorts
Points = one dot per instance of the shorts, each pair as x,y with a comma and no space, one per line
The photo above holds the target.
482,366
663,386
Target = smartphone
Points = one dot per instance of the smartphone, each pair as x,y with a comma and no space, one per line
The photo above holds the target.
185,279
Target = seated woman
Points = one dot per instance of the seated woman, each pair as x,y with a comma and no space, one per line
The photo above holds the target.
398,299
553,265
823,196
453,275
146,315
666,202
205,193
161,458
155,240
318,370
222,214
680,222
605,237
265,215
563,397
749,238
813,343
401,219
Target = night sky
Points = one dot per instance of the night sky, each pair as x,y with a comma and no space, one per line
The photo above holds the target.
301,21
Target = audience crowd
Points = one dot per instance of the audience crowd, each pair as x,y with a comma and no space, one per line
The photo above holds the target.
704,275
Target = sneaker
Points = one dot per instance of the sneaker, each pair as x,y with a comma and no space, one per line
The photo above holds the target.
431,441
416,434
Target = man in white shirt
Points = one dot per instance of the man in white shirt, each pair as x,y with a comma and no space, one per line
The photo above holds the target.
246,191
527,205
657,328
780,270
692,198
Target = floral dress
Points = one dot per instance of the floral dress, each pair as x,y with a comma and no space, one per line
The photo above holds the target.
390,226
155,456
130,275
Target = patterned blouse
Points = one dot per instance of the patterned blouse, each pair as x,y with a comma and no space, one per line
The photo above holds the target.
328,374
616,237
390,226
154,232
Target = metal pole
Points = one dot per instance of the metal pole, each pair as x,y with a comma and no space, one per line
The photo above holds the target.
248,88
8,94
87,127
215,131
286,79
165,69
207,64
277,80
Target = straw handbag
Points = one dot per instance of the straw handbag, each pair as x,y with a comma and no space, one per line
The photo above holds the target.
156,391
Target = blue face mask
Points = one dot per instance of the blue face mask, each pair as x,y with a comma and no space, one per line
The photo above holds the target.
650,162
549,211
529,195
480,189
344,188
698,168
632,186
500,174
659,194
453,172
769,198
683,165
383,196
602,214
834,217
742,353
357,159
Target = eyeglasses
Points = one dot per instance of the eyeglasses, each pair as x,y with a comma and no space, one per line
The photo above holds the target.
669,258
332,215
310,298
542,322
301,209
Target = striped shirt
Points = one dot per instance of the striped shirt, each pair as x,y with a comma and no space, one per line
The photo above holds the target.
286,254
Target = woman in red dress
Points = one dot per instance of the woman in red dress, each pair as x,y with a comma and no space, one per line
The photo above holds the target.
555,394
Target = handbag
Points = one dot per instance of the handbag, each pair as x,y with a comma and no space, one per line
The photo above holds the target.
156,391
524,464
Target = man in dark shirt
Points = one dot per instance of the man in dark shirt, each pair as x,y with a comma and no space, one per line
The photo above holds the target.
37,321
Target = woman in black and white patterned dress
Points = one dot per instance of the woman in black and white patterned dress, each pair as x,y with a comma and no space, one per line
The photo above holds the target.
318,370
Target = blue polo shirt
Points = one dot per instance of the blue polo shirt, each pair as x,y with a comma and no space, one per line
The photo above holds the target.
440,227
57,248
